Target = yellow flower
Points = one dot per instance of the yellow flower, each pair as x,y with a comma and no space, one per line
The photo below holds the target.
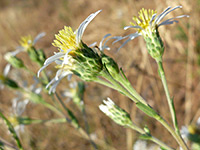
147,24
74,56
26,42
66,39
144,19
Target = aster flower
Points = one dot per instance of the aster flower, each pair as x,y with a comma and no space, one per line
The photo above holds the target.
28,42
18,107
74,57
147,24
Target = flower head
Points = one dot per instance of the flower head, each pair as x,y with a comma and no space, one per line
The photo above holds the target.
148,21
117,114
18,107
147,24
74,57
27,43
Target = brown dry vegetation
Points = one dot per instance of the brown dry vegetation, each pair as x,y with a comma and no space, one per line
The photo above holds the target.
181,62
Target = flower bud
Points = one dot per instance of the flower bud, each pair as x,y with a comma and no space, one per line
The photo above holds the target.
8,82
14,61
117,114
110,65
87,63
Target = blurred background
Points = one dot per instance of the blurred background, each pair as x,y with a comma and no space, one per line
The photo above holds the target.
181,62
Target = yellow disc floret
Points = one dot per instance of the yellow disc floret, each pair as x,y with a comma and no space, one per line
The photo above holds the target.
26,42
66,39
13,120
143,19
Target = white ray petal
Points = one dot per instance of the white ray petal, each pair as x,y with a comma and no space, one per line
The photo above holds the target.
156,20
39,36
137,27
83,26
6,69
164,14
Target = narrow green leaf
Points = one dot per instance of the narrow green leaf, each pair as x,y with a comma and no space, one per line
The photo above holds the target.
12,131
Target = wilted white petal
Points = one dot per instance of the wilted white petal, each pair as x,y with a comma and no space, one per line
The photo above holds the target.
127,27
53,58
124,44
158,17
55,81
58,73
167,12
6,69
42,68
101,43
18,50
152,19
39,36
66,57
171,20
84,24
93,44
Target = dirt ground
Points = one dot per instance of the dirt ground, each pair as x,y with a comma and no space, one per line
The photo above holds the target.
181,62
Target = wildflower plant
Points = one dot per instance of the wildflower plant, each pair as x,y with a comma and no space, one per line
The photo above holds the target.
90,63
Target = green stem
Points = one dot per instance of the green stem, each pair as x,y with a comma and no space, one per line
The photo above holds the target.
118,87
115,85
53,109
12,130
174,134
157,141
38,121
151,138
169,100
128,86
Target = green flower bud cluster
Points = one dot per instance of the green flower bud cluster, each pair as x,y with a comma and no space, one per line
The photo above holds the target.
154,45
87,63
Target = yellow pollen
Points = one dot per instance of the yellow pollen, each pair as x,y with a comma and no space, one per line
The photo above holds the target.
13,120
143,19
65,39
26,42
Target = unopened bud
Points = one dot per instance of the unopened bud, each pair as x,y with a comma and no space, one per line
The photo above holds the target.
117,114
110,65
14,61
8,82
